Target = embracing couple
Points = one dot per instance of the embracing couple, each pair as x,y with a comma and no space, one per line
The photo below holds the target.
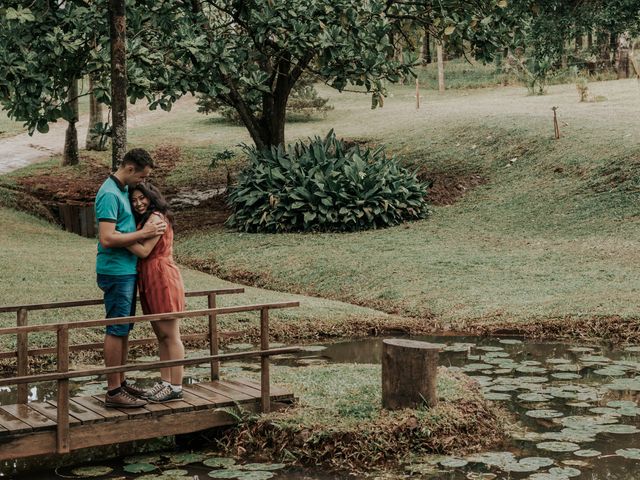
135,253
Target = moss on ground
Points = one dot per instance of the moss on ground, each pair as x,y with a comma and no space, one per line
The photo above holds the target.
338,420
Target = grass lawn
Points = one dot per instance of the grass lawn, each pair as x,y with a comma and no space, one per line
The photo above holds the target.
41,263
9,127
551,232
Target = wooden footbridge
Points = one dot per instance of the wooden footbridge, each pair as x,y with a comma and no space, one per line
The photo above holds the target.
71,423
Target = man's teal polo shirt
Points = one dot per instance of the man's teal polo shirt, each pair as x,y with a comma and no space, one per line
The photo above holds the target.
112,205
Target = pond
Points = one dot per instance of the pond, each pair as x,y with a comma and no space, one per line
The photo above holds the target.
577,410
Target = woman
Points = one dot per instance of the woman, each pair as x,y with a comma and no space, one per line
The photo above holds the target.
160,286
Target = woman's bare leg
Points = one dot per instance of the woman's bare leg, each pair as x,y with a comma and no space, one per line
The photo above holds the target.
170,348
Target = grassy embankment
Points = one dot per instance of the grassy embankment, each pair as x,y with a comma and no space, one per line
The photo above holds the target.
40,263
551,234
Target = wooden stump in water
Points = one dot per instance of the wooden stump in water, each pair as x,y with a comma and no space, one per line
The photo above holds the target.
409,371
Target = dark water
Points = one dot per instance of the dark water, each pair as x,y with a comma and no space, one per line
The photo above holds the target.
531,379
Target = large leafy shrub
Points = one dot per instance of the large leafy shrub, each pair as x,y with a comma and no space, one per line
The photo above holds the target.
323,185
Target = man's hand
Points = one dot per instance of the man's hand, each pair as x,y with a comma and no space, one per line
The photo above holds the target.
154,228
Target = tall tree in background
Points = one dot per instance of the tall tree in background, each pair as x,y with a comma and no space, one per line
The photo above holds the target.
118,36
70,155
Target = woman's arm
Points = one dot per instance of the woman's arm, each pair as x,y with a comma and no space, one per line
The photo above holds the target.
144,248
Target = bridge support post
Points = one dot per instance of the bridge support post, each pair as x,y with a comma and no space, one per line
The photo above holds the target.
23,355
213,337
62,432
264,361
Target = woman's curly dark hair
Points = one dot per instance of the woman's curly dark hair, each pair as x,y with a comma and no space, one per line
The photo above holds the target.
157,203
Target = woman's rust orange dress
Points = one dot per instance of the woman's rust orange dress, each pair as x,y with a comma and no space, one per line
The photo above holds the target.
159,280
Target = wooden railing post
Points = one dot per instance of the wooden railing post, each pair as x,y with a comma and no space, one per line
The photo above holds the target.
23,355
264,361
213,338
62,433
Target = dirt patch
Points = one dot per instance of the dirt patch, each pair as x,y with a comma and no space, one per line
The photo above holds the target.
210,213
67,183
447,188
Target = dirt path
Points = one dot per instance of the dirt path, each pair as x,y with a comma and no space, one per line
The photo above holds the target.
22,150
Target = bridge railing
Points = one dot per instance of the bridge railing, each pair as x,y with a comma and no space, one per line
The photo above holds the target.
23,352
63,347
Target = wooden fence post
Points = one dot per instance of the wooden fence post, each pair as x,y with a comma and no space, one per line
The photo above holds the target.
213,338
23,355
264,361
62,432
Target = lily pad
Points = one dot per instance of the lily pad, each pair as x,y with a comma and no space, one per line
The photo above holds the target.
631,453
492,459
624,384
453,462
93,471
225,474
480,476
510,341
139,467
632,348
534,397
186,458
620,429
566,376
621,403
544,413
587,453
176,472
558,446
565,471
219,462
261,466
142,459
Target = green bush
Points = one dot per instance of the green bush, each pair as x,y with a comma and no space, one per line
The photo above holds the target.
324,186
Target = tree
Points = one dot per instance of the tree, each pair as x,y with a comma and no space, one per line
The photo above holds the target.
237,51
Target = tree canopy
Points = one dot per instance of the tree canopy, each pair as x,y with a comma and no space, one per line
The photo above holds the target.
245,53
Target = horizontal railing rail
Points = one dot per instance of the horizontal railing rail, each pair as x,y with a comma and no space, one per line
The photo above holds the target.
100,301
154,365
53,327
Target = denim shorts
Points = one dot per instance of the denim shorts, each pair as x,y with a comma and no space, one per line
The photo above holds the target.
119,300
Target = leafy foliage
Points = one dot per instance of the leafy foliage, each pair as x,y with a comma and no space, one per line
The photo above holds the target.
324,186
233,51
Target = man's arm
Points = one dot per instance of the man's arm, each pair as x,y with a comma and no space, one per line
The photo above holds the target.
110,238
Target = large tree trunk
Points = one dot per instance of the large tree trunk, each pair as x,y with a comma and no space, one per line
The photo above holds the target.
70,154
93,141
622,60
425,52
117,27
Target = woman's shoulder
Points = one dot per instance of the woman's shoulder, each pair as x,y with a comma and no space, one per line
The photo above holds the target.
158,215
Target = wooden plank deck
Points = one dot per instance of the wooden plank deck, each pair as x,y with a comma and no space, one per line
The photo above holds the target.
27,430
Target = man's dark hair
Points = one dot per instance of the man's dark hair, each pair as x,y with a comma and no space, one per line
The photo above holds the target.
139,158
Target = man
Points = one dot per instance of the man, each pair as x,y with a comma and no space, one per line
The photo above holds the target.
116,268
